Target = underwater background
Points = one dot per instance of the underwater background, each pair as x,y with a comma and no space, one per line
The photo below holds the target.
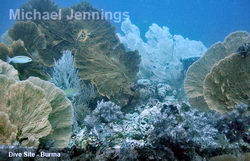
168,83
208,21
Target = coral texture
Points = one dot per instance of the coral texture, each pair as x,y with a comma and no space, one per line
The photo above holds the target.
161,53
8,131
197,72
60,117
38,109
8,70
102,59
227,84
28,110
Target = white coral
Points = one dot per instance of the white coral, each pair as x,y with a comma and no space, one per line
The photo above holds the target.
161,52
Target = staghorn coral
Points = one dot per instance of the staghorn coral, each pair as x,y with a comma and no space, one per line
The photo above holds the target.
197,72
8,131
227,84
8,70
60,117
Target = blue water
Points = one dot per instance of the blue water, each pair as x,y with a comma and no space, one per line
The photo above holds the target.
206,20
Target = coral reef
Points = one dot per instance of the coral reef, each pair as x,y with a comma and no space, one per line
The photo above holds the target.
161,53
110,76
164,131
109,60
197,72
33,68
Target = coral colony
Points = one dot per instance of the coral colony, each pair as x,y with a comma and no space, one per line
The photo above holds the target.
83,92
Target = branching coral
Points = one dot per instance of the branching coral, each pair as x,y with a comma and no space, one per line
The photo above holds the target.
198,71
65,74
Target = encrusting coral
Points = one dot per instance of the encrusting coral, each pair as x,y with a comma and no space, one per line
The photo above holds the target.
197,72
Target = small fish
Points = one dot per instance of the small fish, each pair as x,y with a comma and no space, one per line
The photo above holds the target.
71,92
19,59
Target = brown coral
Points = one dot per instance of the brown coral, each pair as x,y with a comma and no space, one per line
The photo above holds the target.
29,33
61,114
197,72
39,110
27,109
8,131
228,83
102,60
4,52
